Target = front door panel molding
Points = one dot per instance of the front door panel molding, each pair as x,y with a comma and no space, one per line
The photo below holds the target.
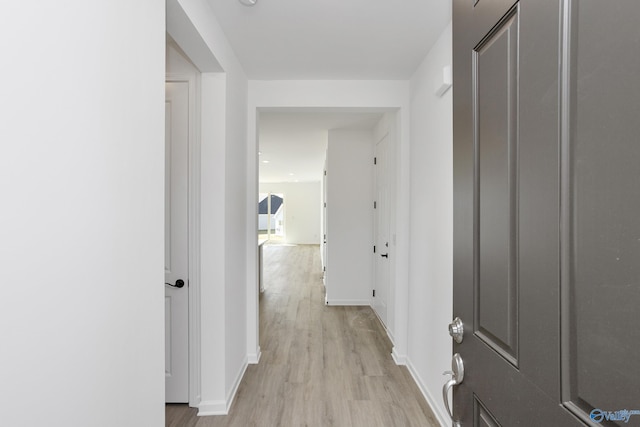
495,128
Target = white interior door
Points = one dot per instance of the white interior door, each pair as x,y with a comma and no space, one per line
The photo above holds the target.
381,255
324,223
176,243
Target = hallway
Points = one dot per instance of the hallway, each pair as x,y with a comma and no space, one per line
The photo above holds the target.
320,366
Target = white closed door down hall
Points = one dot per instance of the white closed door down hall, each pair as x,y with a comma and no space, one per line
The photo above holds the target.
176,242
381,224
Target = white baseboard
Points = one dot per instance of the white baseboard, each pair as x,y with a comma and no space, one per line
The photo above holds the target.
339,302
391,337
399,359
443,418
234,389
253,358
220,407
212,407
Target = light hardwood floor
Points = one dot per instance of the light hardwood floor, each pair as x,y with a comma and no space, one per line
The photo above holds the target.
320,365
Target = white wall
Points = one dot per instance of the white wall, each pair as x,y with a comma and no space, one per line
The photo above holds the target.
212,244
81,229
431,262
337,96
235,230
301,209
349,278
223,177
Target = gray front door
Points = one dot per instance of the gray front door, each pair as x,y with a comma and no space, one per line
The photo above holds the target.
547,211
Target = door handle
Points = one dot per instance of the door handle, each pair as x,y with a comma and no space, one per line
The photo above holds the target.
457,375
384,255
179,284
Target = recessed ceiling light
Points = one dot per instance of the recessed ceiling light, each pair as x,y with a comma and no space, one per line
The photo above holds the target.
265,161
259,153
291,174
248,2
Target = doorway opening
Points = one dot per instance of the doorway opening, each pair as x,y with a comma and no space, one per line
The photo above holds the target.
292,153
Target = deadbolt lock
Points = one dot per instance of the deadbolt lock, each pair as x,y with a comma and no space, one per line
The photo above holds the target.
456,330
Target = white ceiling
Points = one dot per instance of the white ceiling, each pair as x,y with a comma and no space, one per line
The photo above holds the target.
295,142
332,39
324,39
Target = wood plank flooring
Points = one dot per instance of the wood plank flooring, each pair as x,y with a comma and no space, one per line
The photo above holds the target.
320,365
178,415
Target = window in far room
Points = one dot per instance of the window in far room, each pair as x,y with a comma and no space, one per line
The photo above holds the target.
270,216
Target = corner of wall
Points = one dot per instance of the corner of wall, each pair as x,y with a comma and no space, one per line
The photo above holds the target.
222,407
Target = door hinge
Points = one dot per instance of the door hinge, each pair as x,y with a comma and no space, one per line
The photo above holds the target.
324,268
325,205
375,160
374,249
374,293
325,173
375,205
